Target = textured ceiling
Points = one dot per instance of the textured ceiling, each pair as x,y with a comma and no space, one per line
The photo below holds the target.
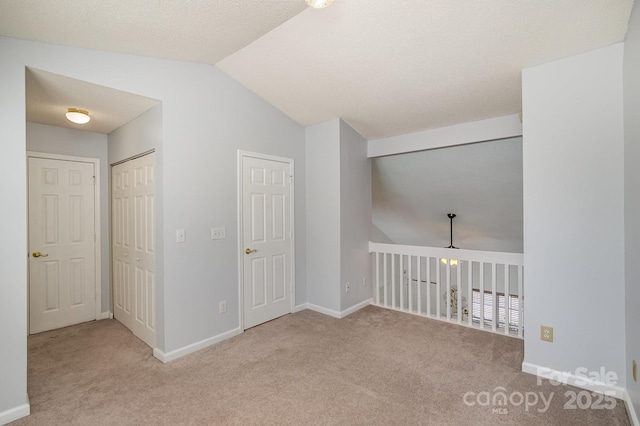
481,183
189,30
387,67
395,67
49,95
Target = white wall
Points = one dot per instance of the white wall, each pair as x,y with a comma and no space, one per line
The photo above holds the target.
632,199
480,182
13,250
323,214
60,140
508,126
573,212
338,216
207,117
355,216
143,134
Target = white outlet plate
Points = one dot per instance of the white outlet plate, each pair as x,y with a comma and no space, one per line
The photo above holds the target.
223,306
218,233
181,236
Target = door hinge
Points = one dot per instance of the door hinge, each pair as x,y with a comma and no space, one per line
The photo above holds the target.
290,179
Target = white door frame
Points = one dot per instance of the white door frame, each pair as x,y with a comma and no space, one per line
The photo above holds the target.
241,155
96,222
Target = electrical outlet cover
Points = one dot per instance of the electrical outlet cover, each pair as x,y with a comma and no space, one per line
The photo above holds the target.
546,333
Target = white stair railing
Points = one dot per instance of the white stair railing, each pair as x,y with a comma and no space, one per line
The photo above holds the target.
480,289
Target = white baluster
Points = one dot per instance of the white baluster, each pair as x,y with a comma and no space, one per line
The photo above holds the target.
448,286
507,298
470,291
428,286
376,263
438,288
481,294
459,290
520,301
419,283
403,276
410,282
386,305
494,300
393,281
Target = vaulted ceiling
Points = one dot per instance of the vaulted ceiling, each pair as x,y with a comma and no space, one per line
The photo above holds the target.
481,183
387,67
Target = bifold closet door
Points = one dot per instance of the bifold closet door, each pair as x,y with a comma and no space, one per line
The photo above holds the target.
133,246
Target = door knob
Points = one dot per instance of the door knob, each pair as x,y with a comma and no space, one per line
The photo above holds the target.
249,251
38,254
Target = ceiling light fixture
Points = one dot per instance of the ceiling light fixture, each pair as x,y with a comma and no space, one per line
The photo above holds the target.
451,216
452,262
78,116
319,4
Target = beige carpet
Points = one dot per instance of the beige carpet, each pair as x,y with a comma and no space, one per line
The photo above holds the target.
374,367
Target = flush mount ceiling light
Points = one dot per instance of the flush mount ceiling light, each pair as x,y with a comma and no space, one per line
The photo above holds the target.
319,4
78,116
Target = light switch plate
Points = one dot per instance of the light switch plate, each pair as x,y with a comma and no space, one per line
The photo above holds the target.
181,236
218,233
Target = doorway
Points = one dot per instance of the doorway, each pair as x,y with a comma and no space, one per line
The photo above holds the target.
266,238
64,241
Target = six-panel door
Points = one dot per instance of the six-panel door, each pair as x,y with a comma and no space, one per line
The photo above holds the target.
62,243
133,246
266,224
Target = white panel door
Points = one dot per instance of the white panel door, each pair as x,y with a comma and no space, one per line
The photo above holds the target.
267,233
62,280
133,246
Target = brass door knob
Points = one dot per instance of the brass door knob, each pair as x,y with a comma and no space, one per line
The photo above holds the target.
249,251
38,254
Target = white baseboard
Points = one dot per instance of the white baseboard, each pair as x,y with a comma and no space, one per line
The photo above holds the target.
105,315
356,307
15,413
301,307
574,380
323,310
333,313
633,416
185,350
